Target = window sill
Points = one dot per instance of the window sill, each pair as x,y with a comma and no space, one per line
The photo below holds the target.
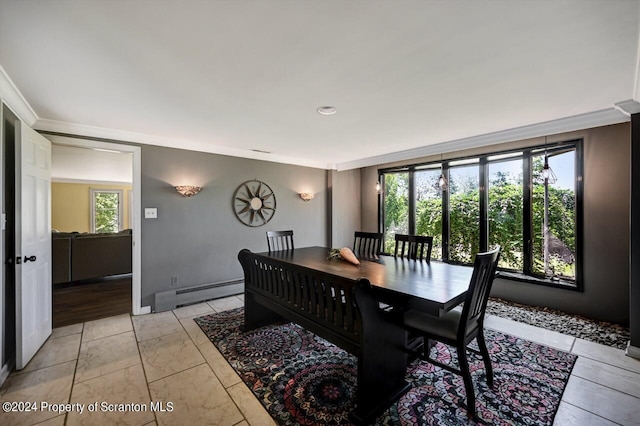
515,276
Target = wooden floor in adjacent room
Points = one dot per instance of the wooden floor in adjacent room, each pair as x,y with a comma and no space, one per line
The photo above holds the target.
77,303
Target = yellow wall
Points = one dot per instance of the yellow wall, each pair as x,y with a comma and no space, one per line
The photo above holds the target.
71,205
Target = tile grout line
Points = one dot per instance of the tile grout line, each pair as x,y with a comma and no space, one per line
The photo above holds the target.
213,371
592,413
607,363
144,370
75,371
606,386
225,360
102,338
106,337
181,371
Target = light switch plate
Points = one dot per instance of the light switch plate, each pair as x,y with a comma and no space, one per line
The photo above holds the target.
150,213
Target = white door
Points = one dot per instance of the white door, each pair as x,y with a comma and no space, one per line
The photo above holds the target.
33,244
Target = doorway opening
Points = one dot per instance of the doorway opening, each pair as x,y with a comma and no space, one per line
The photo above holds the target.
95,209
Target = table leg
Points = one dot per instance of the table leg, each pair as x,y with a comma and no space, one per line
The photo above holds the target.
382,361
256,314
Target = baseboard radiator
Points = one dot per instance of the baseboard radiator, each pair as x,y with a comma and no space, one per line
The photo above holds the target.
171,299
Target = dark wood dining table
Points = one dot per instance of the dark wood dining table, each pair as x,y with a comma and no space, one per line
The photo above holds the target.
287,284
435,287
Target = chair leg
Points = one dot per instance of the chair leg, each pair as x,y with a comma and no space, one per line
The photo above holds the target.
468,383
429,344
485,358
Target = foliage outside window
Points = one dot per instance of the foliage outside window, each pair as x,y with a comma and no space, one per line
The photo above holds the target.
506,212
556,256
494,199
396,204
106,210
464,213
429,207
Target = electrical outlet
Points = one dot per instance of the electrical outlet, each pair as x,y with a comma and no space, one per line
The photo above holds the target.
174,281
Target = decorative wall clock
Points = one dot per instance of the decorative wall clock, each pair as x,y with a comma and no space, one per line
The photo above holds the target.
254,203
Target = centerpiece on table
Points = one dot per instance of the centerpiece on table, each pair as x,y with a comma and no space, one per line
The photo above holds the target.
344,253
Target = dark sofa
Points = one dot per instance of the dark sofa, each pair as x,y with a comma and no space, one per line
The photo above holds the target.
84,256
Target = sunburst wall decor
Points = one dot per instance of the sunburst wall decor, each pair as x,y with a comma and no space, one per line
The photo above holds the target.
254,203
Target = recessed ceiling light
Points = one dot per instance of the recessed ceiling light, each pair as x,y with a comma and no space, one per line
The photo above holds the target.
327,110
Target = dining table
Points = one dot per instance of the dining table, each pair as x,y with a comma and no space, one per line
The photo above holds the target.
357,307
432,286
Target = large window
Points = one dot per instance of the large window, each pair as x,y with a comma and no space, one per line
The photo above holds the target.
464,211
396,207
106,211
506,198
505,209
428,206
554,215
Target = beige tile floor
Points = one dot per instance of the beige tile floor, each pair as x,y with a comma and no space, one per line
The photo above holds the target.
166,358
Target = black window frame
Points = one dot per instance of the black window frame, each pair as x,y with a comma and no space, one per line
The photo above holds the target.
527,154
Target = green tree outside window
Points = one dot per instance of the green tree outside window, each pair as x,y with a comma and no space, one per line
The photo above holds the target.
106,210
505,213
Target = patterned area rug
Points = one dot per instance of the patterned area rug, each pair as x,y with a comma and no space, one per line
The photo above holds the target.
302,379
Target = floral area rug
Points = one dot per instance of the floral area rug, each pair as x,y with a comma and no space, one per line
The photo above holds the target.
302,379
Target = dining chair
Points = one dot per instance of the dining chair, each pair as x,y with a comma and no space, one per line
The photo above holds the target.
402,243
417,247
279,240
367,244
460,327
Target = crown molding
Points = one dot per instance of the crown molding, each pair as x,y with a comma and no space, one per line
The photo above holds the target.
578,122
90,181
93,132
12,97
627,107
604,117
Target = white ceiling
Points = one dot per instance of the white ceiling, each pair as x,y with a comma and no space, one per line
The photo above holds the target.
72,164
234,76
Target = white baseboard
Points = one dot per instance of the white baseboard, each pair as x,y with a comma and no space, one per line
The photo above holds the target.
632,351
145,310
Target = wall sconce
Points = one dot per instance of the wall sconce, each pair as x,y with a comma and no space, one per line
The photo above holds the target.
306,196
188,190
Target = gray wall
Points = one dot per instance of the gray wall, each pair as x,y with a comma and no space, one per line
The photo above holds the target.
369,198
606,227
198,239
345,207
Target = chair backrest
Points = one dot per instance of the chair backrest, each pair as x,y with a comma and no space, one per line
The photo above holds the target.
367,244
475,304
422,246
402,243
417,247
280,240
